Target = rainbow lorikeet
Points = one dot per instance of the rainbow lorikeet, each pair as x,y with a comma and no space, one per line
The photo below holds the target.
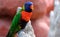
21,18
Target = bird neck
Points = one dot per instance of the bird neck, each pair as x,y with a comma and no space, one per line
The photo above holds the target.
27,11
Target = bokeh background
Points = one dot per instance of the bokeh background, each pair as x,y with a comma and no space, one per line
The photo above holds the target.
40,18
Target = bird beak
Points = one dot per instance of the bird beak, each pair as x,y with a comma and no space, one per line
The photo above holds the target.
32,7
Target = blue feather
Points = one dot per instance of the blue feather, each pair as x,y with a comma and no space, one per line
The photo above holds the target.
27,6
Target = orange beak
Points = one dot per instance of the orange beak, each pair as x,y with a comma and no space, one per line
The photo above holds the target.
32,7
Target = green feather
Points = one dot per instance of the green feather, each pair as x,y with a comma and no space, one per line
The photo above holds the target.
23,7
14,25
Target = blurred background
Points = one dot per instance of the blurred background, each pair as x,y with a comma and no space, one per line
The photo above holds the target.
40,18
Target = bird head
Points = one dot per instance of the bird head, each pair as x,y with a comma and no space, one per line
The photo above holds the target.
28,6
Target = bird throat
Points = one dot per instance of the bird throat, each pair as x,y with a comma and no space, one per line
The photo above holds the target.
26,15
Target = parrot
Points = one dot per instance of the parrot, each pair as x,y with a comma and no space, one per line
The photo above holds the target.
20,19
